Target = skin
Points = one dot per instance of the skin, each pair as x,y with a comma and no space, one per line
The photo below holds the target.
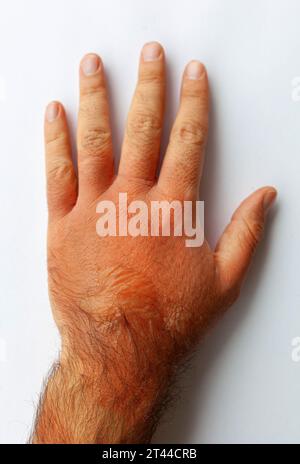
129,309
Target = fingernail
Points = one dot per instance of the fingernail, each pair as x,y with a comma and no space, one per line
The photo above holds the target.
52,111
90,64
151,51
195,70
269,199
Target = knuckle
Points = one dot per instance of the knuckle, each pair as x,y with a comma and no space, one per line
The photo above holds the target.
58,170
90,92
95,140
143,128
57,142
254,232
151,76
190,132
191,91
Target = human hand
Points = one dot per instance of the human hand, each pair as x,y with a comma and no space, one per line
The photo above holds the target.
129,308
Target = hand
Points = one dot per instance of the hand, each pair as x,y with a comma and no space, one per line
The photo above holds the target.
129,308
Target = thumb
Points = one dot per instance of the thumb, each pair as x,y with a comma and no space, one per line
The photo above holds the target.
238,242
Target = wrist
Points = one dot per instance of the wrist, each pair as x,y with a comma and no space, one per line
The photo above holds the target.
79,408
109,385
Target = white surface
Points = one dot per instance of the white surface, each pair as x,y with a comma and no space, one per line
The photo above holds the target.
243,385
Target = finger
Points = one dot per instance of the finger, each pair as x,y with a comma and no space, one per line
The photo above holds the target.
239,240
140,149
61,177
95,154
182,166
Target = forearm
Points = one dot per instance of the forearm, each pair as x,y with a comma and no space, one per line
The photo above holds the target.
99,408
75,409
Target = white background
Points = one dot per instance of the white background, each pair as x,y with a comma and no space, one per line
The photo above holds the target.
243,385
